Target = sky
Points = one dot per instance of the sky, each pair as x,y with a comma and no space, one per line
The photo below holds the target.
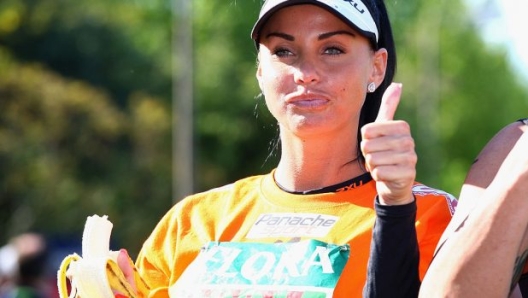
502,23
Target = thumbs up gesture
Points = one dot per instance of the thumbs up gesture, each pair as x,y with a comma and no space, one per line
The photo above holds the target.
389,153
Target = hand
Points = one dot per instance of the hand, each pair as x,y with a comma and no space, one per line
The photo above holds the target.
389,153
123,261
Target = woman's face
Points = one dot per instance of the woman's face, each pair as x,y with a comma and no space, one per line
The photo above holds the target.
314,70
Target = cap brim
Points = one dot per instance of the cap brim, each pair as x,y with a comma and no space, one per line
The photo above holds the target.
266,15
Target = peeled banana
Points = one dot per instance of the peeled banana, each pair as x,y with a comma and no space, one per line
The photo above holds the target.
96,274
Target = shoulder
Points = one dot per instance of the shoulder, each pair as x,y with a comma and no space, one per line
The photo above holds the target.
491,156
488,162
221,195
424,190
238,187
208,206
504,139
428,197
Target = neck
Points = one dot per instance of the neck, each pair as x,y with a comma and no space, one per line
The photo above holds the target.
317,162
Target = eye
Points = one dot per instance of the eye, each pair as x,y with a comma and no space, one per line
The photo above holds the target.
333,51
282,52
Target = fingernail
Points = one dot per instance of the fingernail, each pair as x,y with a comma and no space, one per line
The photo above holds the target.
122,250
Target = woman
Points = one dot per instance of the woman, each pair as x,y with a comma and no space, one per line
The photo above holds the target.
323,66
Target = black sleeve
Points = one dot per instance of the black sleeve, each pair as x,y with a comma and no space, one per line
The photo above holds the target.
523,284
394,254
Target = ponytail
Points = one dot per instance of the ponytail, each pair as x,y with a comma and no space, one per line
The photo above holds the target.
370,109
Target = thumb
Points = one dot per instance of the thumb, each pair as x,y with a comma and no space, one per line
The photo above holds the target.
389,102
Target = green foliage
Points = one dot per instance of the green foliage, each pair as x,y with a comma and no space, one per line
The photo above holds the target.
230,119
67,151
454,88
120,46
86,94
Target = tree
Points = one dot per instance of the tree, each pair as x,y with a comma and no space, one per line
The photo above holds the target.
67,152
85,101
454,88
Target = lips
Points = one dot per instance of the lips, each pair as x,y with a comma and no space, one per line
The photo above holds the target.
307,99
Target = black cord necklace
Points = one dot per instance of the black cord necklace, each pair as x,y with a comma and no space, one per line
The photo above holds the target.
342,186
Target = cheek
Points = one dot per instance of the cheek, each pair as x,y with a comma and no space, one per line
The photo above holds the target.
274,86
273,82
351,93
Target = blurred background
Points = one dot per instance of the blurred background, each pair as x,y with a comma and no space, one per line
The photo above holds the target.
123,107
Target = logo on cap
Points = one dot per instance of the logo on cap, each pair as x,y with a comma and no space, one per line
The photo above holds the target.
355,5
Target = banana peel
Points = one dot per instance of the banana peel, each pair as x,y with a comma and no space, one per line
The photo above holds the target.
96,274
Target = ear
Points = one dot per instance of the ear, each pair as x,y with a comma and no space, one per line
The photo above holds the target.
379,66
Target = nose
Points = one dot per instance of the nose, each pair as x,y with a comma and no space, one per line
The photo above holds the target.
306,72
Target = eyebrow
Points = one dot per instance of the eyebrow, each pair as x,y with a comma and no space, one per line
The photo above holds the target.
280,35
330,34
320,37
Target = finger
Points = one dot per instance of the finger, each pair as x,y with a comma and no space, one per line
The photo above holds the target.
389,102
123,261
404,155
386,136
397,177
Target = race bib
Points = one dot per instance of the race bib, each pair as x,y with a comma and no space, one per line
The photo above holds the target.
308,268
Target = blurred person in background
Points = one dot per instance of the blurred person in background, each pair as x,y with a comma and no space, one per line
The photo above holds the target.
23,262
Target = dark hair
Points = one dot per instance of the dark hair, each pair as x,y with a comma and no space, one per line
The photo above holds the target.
370,108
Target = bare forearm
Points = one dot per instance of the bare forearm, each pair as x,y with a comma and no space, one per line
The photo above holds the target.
478,259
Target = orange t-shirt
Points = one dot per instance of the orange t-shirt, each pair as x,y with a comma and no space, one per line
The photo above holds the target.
253,216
